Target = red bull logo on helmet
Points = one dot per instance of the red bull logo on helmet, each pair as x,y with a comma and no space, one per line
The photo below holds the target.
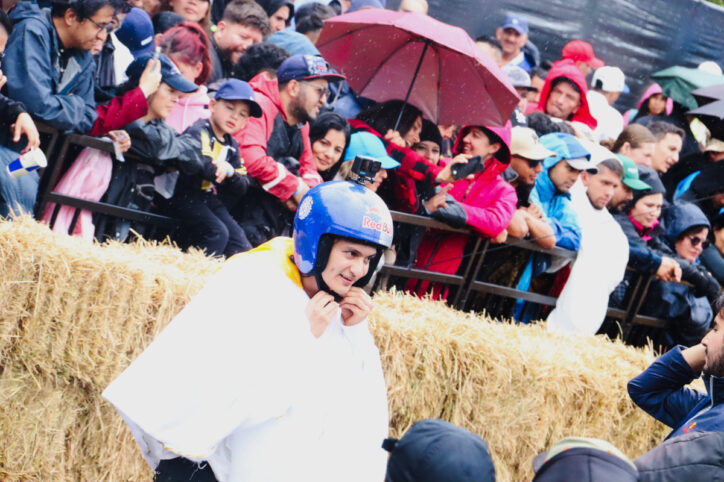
381,226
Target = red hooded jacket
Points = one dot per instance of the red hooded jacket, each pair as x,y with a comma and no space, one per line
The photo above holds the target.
489,203
568,69
272,176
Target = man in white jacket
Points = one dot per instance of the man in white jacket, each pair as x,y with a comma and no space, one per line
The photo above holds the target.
601,261
270,373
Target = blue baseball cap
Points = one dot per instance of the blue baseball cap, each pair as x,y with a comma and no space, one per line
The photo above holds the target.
516,22
170,74
235,89
136,33
306,67
366,144
567,148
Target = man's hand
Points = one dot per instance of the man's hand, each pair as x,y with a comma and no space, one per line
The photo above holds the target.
446,174
695,357
356,306
534,210
122,139
151,77
669,270
24,125
438,200
298,197
319,311
395,138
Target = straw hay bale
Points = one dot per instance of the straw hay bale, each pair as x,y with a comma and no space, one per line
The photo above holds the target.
75,314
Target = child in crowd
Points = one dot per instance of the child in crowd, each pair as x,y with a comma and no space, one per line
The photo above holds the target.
202,199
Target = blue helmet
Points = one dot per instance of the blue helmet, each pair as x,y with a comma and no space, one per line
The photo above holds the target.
339,209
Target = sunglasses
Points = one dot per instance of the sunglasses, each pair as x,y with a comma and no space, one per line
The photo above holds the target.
696,240
533,163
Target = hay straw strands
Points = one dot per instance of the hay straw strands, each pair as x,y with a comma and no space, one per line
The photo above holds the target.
73,315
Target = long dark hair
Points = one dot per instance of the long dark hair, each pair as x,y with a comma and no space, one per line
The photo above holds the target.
317,130
382,117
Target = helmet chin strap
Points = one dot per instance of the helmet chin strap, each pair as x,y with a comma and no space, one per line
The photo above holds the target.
322,285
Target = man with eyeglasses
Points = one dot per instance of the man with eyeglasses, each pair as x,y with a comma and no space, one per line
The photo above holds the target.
276,147
52,68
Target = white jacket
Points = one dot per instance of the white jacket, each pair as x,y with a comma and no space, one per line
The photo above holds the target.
238,379
599,267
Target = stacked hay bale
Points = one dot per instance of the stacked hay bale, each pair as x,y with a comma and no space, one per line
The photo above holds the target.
74,315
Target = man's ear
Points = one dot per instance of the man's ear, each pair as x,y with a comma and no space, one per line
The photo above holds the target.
292,88
498,33
522,40
70,17
221,26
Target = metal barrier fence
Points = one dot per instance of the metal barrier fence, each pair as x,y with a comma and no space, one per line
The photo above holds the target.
59,146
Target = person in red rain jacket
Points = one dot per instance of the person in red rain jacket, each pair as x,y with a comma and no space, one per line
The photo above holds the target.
563,95
485,203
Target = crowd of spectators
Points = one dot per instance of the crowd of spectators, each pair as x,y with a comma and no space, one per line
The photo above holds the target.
229,115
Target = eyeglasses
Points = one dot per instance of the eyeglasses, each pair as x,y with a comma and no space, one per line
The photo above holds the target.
696,240
323,92
108,27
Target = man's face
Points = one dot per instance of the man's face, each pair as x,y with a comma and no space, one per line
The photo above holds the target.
622,194
600,187
476,143
429,150
510,40
563,100
234,38
563,176
666,153
526,169
310,98
714,348
523,94
84,33
278,20
534,95
348,262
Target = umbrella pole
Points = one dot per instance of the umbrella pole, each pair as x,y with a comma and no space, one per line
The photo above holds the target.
412,84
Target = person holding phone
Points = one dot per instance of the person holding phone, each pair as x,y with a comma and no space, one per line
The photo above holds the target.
481,200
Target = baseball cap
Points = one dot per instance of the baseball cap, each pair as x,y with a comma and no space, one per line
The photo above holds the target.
367,144
567,148
578,50
516,22
714,145
435,450
306,67
235,89
136,32
609,79
631,174
524,142
518,77
170,74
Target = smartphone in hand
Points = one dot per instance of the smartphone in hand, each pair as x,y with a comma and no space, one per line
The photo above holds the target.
461,171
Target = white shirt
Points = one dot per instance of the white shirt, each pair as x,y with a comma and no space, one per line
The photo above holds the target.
610,121
238,379
599,267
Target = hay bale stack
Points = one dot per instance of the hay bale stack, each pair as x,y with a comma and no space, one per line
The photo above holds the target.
74,315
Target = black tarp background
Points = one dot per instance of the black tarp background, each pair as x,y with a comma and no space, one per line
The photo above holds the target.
640,37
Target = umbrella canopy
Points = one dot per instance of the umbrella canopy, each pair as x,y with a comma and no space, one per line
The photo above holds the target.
388,55
712,115
708,94
678,83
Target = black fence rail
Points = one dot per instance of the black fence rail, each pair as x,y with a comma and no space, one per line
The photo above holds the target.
60,150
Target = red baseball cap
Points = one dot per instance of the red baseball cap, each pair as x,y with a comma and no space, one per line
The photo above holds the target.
580,51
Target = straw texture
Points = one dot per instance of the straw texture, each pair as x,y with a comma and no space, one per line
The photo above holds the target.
73,315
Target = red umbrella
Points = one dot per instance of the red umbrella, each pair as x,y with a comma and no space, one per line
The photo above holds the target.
435,66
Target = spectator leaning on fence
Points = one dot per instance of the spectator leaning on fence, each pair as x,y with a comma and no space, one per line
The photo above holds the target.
563,95
602,258
52,70
276,147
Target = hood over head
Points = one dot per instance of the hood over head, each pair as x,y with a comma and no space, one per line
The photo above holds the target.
652,90
681,217
502,134
569,70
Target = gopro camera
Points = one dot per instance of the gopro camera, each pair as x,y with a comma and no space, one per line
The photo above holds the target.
365,168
